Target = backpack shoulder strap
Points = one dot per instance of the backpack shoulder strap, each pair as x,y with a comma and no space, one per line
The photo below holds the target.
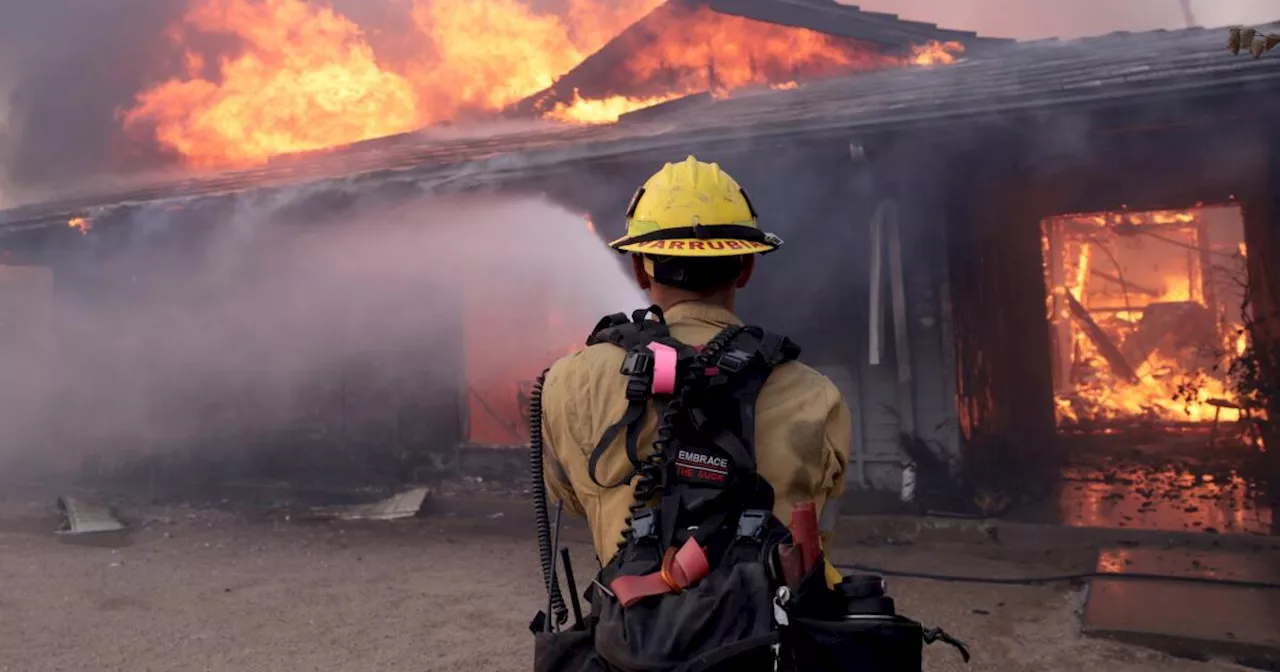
650,366
740,370
628,333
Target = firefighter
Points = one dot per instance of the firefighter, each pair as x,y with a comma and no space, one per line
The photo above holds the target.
693,237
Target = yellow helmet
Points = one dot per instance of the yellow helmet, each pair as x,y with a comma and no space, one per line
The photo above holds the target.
693,209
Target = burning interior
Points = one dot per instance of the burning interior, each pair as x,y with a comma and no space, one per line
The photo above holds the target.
1145,310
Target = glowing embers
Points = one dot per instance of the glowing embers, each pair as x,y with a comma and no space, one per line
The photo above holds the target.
1145,315
81,224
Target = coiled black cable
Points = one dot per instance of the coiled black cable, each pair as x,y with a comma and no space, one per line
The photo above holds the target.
650,471
541,514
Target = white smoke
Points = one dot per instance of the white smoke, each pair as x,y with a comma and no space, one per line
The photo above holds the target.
6,87
215,329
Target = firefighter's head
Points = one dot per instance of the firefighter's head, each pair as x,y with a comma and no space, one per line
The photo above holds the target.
691,227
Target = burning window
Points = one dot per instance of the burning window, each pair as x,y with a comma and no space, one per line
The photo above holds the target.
1145,313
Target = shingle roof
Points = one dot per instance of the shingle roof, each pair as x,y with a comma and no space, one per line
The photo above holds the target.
1120,68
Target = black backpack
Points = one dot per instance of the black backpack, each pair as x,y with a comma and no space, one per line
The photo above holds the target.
696,584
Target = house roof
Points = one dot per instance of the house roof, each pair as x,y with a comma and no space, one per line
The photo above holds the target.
1120,68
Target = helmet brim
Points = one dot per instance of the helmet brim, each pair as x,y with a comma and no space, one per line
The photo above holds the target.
694,247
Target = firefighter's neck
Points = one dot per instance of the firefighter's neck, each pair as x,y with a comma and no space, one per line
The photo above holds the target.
666,297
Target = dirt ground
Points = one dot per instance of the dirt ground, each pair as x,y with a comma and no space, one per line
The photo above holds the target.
215,591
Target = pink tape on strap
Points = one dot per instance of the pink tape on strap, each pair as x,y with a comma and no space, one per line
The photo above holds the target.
664,368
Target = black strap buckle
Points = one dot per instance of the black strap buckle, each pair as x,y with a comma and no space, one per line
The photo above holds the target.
751,522
644,525
638,365
637,362
637,388
734,361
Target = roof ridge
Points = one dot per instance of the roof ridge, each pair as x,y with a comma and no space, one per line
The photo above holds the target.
905,28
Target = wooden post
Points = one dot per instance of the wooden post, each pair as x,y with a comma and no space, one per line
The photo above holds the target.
1061,319
1204,240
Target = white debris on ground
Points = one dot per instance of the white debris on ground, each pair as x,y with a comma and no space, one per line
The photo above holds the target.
400,506
84,517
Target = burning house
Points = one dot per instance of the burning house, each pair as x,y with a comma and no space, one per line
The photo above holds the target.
1012,246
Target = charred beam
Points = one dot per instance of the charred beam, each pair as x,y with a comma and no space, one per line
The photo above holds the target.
1109,351
1126,285
1081,230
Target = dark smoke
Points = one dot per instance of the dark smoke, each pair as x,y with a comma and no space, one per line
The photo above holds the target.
68,66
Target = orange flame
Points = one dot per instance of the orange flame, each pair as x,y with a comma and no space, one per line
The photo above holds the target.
701,50
706,51
936,53
602,110
1096,392
305,77
80,224
490,54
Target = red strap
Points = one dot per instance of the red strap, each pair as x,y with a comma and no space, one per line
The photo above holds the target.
680,569
804,533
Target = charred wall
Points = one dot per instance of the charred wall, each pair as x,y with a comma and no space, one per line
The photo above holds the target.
1004,392
1262,234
